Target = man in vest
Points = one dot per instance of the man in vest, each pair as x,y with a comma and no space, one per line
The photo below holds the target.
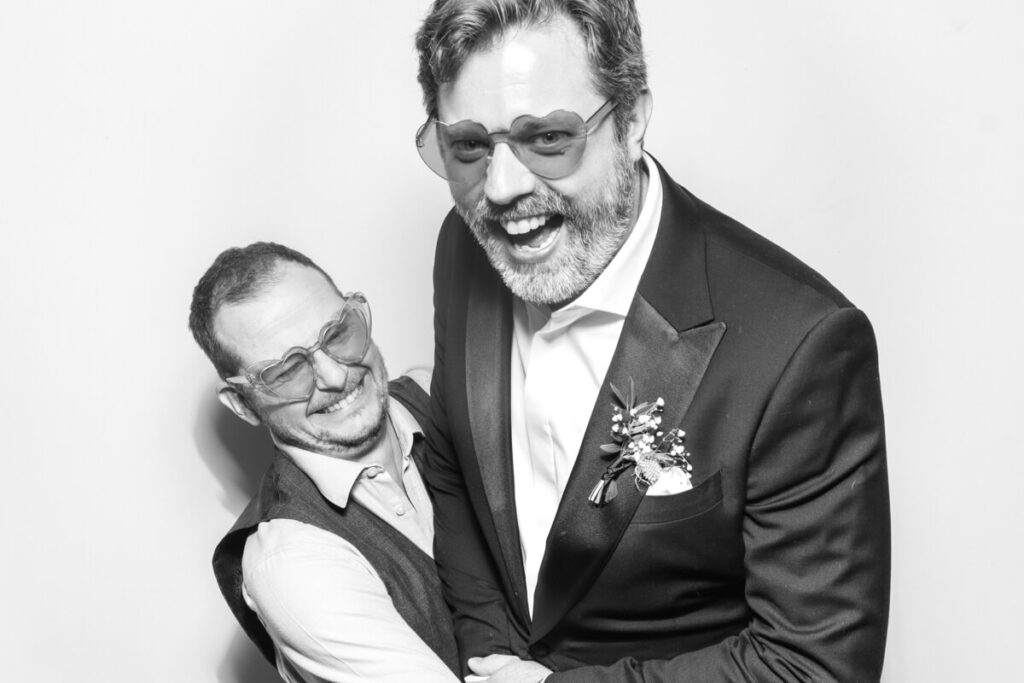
329,569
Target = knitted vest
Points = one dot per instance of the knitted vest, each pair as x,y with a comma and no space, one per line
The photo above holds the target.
407,572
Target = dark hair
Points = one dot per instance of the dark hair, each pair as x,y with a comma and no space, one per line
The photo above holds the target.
454,29
237,274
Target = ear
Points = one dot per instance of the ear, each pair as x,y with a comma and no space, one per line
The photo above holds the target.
237,404
638,125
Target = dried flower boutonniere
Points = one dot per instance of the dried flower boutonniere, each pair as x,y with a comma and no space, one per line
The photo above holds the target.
639,443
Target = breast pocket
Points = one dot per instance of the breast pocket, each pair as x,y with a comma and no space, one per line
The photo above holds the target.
703,497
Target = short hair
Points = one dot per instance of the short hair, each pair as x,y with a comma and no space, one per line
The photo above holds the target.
454,29
236,275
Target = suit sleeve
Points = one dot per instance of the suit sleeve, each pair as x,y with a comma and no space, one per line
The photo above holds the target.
816,529
468,576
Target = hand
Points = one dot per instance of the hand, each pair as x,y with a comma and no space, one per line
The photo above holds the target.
508,669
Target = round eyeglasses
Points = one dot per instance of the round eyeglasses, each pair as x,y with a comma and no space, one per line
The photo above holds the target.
550,146
344,340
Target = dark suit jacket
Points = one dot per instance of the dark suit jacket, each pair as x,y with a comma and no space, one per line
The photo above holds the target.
775,566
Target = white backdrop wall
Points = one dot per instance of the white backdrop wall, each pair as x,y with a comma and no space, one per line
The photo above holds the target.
882,142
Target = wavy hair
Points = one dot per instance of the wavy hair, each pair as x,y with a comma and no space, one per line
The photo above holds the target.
454,29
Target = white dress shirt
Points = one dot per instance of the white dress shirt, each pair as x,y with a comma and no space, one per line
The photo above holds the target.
324,605
559,361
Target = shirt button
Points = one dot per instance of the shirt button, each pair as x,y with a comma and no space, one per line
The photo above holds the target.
372,472
400,510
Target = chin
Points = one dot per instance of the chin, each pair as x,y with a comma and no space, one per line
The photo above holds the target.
592,226
345,434
561,277
362,428
345,441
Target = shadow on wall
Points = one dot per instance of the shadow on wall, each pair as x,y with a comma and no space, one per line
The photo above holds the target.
243,663
236,454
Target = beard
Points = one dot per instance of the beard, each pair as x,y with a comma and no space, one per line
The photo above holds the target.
595,224
335,443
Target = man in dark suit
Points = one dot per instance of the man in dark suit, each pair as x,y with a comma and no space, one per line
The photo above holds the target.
575,275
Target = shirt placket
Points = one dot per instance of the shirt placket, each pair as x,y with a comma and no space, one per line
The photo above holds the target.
392,501
543,405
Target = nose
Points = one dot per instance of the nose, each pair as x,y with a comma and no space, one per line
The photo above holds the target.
507,177
330,375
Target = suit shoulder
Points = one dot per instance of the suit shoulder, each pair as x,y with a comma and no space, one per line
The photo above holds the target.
738,254
455,245
453,233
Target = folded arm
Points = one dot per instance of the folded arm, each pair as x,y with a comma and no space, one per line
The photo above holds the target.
469,578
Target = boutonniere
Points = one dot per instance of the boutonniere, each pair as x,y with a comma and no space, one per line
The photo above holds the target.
640,443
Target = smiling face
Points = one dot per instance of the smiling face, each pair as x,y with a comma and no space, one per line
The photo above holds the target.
347,411
548,239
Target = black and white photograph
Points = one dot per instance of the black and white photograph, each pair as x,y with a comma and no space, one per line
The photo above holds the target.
512,341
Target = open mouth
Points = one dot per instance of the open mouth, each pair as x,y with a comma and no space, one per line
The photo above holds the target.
347,400
533,234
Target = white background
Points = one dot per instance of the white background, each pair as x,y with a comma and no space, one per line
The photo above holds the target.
882,142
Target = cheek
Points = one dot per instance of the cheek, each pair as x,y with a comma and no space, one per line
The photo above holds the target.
599,163
467,196
288,418
590,179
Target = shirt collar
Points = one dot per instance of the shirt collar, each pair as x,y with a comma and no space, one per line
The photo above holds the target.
612,292
335,477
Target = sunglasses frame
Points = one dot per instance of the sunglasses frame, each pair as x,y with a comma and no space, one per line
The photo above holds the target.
588,126
253,374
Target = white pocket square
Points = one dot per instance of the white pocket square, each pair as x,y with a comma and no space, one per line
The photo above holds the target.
672,481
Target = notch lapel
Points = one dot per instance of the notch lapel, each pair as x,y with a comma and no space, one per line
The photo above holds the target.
583,536
666,345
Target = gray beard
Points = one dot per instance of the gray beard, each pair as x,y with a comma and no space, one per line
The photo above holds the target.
597,225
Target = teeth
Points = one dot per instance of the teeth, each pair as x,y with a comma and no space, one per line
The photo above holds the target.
524,225
345,402
543,245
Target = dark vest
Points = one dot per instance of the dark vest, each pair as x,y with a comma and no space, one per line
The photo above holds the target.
408,573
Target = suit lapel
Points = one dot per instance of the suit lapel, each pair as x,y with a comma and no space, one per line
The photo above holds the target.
665,347
488,369
583,536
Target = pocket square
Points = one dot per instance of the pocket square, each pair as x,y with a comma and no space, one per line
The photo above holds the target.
640,444
673,480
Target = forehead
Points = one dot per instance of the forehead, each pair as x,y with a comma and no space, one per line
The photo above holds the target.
527,70
287,312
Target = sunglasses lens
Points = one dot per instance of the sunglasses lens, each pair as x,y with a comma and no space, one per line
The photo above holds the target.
552,146
290,378
427,146
457,153
464,143
346,341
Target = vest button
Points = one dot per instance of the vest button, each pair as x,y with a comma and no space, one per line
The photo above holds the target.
540,649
